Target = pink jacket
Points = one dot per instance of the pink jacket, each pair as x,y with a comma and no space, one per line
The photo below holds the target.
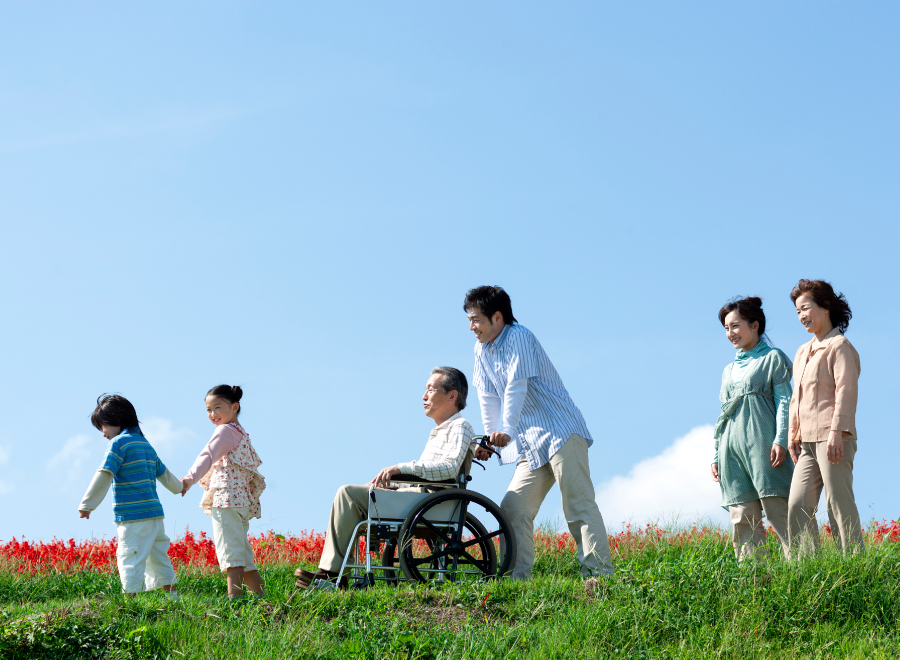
826,376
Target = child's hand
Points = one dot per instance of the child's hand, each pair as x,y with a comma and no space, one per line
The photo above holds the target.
185,487
84,514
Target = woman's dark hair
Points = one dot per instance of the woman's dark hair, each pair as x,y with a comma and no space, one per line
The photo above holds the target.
488,300
453,379
114,410
823,295
749,308
231,393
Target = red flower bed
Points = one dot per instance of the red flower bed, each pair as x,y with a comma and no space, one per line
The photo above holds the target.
271,549
59,556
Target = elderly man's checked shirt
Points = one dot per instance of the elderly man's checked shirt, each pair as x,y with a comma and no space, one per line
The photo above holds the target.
444,452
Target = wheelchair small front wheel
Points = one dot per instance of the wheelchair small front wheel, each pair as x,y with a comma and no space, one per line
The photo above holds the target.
464,532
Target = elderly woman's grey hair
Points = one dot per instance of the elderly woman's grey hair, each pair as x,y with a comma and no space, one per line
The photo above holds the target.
453,379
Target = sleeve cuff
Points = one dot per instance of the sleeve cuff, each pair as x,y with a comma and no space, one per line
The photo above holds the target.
781,442
842,423
407,468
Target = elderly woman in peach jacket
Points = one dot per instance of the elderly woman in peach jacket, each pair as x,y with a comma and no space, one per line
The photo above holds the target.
822,421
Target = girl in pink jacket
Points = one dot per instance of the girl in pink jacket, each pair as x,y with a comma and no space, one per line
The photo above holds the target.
227,471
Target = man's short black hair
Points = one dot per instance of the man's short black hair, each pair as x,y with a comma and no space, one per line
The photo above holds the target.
453,379
488,300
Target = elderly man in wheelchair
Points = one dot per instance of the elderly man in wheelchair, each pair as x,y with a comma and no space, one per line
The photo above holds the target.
420,509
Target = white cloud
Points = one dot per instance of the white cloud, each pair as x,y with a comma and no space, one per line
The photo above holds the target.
163,437
69,459
674,485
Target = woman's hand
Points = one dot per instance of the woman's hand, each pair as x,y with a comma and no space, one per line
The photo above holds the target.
836,446
714,468
794,448
778,455
84,514
185,487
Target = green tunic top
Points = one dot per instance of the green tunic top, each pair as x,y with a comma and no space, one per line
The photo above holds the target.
748,426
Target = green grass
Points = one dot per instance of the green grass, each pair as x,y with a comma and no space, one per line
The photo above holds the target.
667,600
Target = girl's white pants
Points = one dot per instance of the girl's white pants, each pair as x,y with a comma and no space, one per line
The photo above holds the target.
230,527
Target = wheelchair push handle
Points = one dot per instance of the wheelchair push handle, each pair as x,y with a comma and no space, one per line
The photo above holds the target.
482,442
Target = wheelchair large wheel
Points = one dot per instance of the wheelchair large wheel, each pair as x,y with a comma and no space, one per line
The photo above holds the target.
461,541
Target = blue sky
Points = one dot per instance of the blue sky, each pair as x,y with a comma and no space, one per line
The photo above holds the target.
295,198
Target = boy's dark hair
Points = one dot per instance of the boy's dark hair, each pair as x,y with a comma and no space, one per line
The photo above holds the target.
488,300
453,380
231,393
823,295
749,308
114,410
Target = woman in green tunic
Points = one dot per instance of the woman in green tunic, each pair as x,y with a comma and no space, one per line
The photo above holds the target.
751,432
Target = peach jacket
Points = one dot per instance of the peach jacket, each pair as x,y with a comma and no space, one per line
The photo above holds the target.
826,376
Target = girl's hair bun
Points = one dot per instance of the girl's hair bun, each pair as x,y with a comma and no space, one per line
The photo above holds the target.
231,393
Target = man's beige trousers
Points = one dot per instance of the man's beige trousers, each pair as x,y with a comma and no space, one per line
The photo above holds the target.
748,534
569,468
350,506
812,473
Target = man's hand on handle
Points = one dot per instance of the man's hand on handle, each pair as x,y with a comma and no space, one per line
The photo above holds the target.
499,439
482,454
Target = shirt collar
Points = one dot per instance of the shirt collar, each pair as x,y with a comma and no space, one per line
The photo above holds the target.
501,338
446,421
760,349
818,345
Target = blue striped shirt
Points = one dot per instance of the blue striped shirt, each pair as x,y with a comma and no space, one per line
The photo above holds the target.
549,416
135,466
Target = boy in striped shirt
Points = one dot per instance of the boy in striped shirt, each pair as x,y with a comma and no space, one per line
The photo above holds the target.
132,467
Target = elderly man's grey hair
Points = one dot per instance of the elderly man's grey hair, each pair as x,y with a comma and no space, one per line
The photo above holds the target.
453,379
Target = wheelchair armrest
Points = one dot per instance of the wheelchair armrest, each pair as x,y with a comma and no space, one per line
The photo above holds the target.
413,479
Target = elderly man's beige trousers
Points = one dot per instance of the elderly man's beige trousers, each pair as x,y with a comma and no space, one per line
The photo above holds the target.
812,474
569,468
350,507
748,534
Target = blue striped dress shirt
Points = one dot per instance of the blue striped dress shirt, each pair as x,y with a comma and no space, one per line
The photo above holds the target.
548,416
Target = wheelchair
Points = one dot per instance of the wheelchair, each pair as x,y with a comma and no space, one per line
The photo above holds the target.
431,531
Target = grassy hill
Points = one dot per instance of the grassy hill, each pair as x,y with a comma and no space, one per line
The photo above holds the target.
675,595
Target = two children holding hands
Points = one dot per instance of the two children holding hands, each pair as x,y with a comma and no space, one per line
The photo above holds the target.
226,469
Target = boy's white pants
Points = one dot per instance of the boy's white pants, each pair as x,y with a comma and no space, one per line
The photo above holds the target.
143,557
230,527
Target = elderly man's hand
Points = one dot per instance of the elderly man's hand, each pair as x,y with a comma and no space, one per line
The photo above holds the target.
498,439
482,454
383,479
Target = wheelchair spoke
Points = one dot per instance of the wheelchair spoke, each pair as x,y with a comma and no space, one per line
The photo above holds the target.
481,539
480,565
434,529
417,561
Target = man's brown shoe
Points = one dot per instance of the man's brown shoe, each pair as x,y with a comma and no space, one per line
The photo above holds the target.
305,578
